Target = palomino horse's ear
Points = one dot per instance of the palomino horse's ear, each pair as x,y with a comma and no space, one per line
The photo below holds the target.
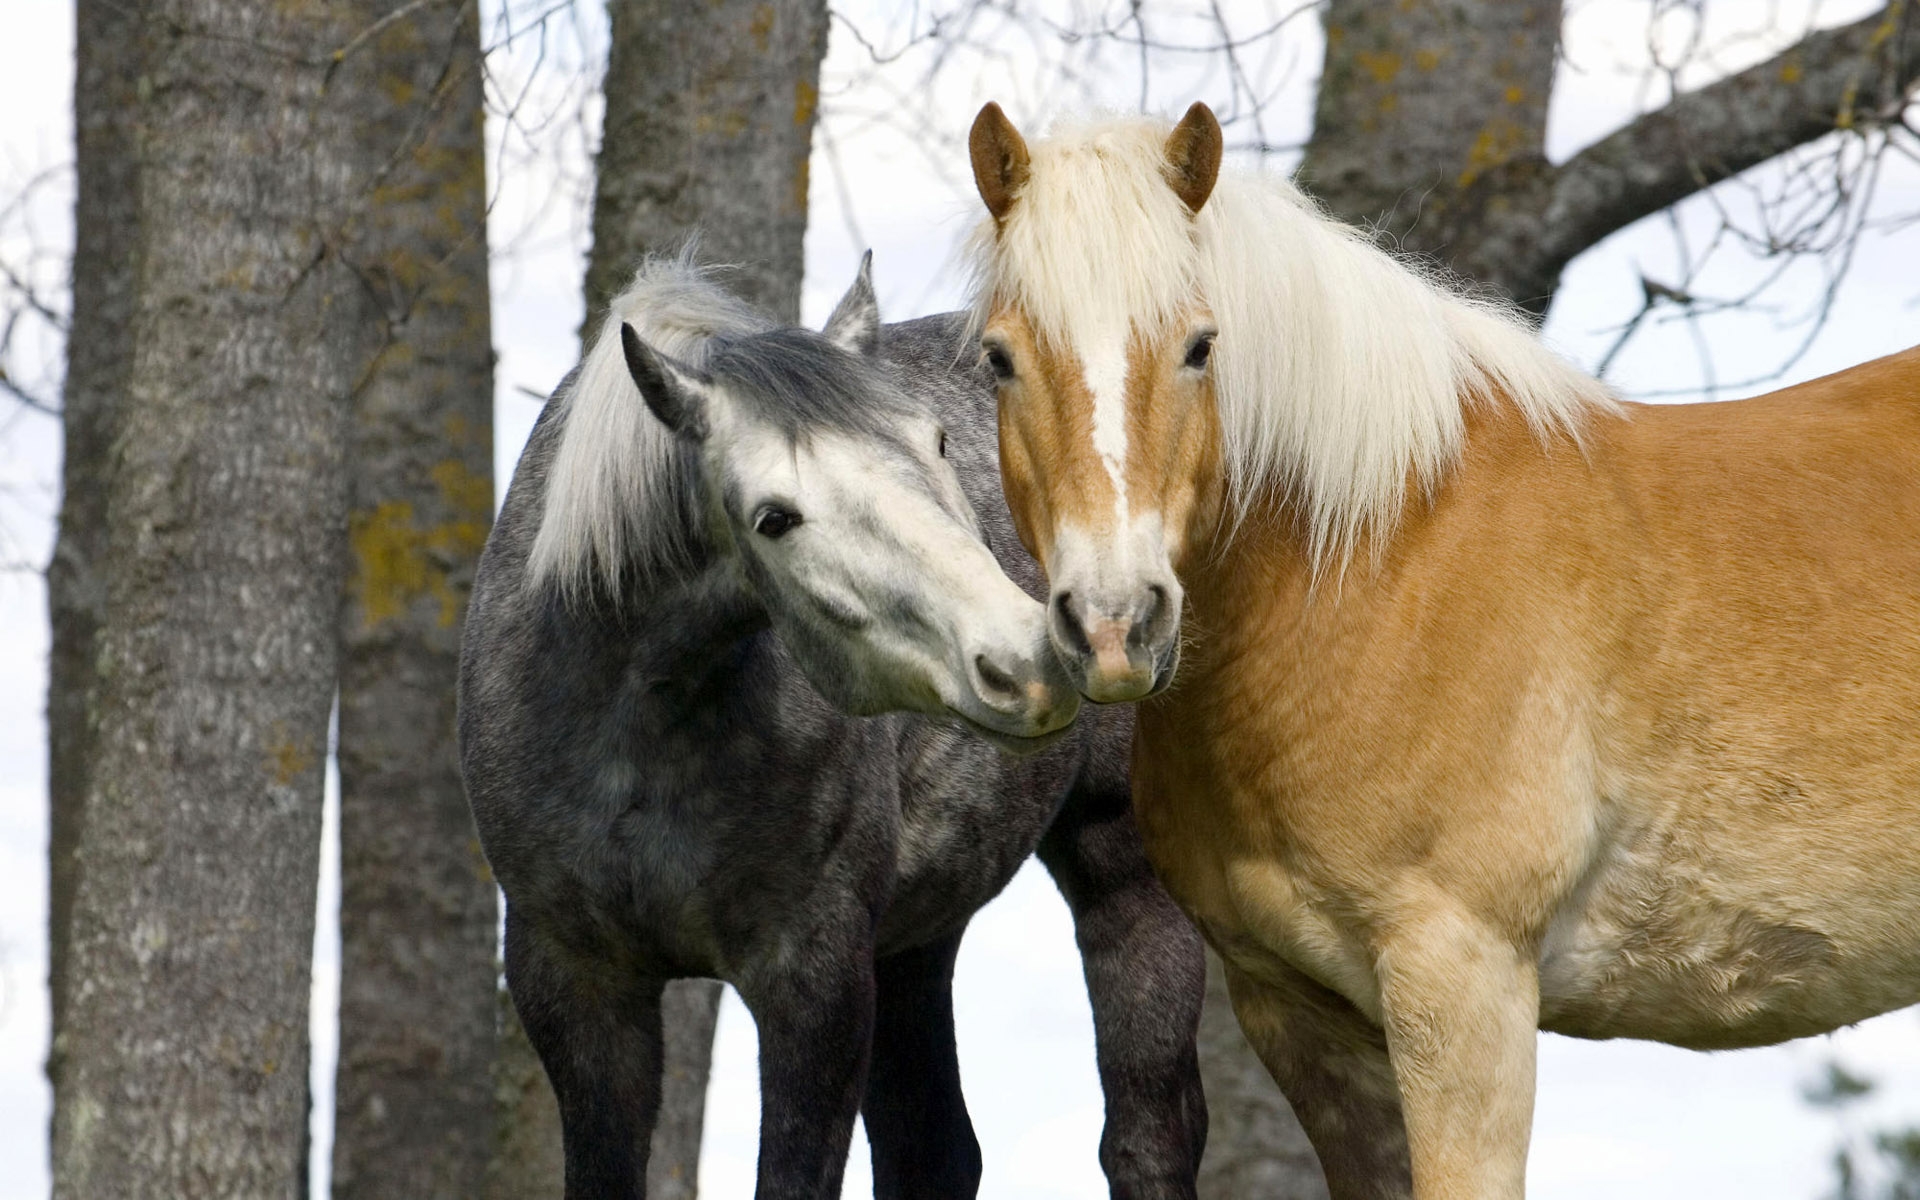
1000,161
855,323
674,393
1193,156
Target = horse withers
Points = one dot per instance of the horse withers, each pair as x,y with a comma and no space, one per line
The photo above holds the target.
1473,701
723,538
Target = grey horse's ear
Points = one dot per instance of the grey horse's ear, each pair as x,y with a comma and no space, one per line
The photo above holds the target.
677,394
855,323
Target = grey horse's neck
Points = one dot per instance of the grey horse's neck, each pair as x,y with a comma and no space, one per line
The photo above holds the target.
693,634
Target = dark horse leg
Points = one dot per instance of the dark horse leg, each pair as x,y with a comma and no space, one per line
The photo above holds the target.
923,1143
814,1011
600,1045
1146,977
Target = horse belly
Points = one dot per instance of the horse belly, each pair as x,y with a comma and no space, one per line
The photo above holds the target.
1661,946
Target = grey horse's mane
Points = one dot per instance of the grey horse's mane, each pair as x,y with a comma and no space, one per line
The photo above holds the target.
614,493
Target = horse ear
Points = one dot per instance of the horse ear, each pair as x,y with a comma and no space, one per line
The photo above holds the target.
1193,156
674,393
855,323
1000,161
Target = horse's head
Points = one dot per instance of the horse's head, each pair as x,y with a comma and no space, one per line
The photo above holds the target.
828,489
1093,324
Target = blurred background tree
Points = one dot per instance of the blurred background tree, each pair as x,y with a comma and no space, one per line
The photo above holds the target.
1882,1164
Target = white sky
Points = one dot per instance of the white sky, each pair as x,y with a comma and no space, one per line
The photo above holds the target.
1612,1119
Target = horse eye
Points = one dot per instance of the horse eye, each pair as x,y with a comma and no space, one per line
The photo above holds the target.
997,359
943,443
1198,353
774,521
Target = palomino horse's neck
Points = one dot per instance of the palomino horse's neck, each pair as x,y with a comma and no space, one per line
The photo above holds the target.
1257,584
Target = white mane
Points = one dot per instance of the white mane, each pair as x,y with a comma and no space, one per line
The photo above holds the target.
611,495
1340,372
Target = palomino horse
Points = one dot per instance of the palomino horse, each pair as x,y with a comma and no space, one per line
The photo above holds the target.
723,537
1503,705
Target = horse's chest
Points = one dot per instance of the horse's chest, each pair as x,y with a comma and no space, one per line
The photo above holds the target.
965,827
1260,905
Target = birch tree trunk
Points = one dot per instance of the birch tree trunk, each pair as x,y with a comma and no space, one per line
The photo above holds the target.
419,920
183,1060
709,125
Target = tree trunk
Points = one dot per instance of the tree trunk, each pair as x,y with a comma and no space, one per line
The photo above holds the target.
1255,1147
709,125
419,921
183,1064
1429,117
99,346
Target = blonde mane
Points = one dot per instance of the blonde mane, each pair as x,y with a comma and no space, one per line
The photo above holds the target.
613,496
1340,372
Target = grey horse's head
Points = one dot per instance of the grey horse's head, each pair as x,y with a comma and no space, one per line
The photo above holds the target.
829,490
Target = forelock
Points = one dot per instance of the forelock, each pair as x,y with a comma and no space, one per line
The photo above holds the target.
1096,236
798,381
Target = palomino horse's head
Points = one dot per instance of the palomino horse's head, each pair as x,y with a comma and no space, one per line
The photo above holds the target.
829,491
1109,437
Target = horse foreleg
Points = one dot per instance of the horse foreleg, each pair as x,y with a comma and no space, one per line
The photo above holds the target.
600,1044
814,1011
1462,1009
923,1142
1331,1064
1146,977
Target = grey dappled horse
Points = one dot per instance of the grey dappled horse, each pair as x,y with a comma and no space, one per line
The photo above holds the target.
722,538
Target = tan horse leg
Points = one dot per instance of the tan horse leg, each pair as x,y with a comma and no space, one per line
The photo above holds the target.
1462,1011
1331,1064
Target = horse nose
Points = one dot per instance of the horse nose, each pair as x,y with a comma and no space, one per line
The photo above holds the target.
1115,648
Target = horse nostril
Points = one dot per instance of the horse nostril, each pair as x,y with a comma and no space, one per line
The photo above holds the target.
993,678
1071,630
1155,615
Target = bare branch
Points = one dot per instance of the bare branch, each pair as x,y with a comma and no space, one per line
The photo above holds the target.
1857,75
26,399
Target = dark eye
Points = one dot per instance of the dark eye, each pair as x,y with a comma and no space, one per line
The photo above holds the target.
1199,352
998,359
943,443
774,521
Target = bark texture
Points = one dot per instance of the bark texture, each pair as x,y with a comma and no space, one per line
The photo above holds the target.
709,126
99,351
1255,1146
527,1161
183,1057
419,918
1427,114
